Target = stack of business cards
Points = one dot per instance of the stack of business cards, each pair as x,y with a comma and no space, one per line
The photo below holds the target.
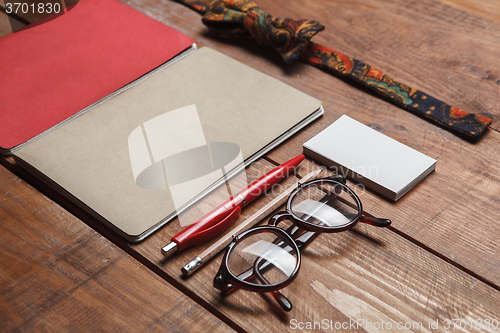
369,157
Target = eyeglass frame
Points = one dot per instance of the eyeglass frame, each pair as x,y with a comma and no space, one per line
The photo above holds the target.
226,281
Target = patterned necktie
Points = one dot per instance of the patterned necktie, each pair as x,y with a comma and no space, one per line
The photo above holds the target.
291,38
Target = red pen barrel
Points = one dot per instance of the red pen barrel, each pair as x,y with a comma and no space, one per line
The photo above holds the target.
219,219
186,238
264,183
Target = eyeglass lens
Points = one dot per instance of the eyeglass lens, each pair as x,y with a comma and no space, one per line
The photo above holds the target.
326,204
264,258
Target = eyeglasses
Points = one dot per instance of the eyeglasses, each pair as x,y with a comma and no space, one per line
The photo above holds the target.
267,258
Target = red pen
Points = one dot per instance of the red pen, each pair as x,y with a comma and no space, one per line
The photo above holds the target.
221,218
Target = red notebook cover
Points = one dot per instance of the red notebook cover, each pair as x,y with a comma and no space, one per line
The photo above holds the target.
54,70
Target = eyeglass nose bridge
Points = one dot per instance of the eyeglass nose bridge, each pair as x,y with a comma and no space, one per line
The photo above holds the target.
279,217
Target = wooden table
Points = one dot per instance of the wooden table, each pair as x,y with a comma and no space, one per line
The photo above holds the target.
62,271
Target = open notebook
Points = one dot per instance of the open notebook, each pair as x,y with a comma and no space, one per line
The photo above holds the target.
97,159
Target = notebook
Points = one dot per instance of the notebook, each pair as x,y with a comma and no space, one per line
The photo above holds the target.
369,157
56,70
97,159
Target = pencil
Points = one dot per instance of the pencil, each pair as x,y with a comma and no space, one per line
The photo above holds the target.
224,241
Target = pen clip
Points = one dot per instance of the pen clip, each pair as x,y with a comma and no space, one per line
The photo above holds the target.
215,230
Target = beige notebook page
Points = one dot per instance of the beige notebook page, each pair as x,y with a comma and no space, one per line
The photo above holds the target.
89,156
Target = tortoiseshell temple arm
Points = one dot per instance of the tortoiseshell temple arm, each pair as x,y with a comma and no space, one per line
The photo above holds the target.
279,297
307,237
377,222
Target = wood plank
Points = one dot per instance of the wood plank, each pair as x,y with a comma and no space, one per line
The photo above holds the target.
367,274
378,277
5,27
453,56
460,197
393,38
489,9
6,24
26,14
59,275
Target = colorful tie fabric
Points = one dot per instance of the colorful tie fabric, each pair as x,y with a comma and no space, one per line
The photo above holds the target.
291,38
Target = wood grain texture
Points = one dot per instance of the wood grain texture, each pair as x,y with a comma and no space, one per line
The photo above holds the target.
448,57
366,274
6,24
58,275
28,14
430,46
447,48
454,211
5,27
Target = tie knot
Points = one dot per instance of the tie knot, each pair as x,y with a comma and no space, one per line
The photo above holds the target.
289,37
